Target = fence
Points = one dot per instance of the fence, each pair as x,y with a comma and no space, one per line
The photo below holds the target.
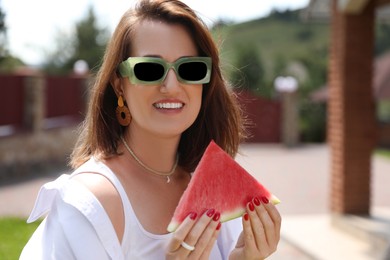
263,116
38,116
11,103
33,103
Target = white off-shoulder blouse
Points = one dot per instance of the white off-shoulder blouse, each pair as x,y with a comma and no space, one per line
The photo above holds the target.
77,226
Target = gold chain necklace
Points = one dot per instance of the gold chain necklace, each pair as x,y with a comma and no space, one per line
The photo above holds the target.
163,174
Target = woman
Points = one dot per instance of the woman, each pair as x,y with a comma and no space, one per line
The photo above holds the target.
158,100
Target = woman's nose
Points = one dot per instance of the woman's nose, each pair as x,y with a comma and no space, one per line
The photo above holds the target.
171,81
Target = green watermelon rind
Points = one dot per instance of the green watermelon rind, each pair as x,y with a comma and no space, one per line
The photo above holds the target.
227,216
240,211
213,161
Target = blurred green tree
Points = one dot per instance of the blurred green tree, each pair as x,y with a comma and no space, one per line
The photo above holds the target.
382,42
91,41
7,62
249,71
312,114
88,44
3,33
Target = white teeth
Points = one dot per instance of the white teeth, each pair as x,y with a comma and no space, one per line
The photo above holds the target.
168,105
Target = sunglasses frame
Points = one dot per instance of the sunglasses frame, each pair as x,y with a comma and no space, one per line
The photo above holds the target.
126,69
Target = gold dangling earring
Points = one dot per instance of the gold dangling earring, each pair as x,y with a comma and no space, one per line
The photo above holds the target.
123,113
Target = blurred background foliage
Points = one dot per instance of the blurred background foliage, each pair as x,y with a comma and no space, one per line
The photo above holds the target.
253,54
283,44
258,51
88,44
7,62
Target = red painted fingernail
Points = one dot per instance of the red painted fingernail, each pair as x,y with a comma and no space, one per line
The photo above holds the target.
251,207
219,226
246,216
217,216
210,212
265,200
256,201
193,215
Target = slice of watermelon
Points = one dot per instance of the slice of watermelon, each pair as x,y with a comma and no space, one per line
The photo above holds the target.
219,182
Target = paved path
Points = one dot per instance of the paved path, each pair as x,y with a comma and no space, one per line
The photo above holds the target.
298,176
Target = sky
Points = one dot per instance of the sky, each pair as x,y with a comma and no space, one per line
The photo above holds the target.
33,25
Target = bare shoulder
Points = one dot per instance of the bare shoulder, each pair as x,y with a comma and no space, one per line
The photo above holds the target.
99,185
107,195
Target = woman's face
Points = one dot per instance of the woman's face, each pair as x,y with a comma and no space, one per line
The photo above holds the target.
169,108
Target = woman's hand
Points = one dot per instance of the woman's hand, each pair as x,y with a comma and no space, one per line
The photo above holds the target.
261,231
195,238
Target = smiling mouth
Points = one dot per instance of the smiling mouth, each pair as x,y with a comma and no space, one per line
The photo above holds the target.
168,105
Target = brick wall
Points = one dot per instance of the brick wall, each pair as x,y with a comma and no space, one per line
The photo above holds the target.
351,122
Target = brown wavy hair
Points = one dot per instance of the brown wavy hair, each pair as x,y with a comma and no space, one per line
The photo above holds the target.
219,118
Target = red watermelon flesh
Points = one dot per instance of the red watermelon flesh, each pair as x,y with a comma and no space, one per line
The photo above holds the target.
220,183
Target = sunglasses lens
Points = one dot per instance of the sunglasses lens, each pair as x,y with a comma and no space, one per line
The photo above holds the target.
193,71
148,71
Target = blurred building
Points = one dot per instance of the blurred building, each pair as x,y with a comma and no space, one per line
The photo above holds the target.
380,86
354,84
320,11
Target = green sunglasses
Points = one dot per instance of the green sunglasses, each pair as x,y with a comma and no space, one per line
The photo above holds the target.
153,71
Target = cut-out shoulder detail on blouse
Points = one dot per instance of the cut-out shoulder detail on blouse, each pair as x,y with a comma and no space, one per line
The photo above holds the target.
105,191
78,227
